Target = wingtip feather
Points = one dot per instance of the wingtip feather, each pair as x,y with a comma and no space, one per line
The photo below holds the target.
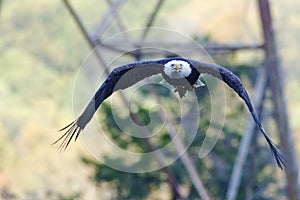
280,160
73,129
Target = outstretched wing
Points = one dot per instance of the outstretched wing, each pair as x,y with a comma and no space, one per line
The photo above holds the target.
236,84
120,78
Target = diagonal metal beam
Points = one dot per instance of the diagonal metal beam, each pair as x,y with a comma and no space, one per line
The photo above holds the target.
244,147
152,18
118,20
273,66
181,149
108,17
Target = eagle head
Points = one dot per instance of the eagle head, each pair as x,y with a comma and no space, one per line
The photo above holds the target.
177,69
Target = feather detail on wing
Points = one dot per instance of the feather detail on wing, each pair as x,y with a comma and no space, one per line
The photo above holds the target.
120,78
236,84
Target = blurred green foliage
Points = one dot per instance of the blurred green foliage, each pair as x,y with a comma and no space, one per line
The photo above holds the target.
214,169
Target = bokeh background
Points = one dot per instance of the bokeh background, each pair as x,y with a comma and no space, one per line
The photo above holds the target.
41,52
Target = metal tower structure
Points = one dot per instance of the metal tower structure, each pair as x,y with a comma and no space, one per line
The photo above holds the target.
269,79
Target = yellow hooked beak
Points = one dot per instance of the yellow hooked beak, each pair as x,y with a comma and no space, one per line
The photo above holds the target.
177,68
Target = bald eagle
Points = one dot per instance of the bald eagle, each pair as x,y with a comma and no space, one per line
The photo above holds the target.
181,73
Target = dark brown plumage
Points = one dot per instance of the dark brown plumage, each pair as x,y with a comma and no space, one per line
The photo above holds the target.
127,75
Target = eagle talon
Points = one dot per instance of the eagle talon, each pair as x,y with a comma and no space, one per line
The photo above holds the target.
181,91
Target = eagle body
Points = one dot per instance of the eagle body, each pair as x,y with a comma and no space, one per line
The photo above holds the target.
184,83
183,74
